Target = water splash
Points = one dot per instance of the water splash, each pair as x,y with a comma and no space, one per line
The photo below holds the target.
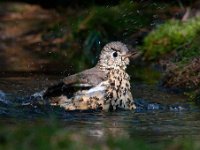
146,106
3,99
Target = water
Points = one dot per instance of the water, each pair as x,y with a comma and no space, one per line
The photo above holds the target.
159,116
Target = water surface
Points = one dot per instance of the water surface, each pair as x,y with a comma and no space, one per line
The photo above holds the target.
160,115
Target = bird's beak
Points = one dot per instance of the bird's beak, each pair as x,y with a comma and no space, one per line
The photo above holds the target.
132,54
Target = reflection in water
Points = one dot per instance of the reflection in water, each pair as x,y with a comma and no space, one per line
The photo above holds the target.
163,122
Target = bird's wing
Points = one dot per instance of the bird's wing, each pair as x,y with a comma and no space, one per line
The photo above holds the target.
91,77
80,81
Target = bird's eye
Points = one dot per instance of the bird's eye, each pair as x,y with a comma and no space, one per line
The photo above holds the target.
115,54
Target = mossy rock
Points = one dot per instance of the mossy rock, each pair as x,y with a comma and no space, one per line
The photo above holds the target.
173,35
175,45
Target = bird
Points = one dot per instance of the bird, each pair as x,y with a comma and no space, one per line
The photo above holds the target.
105,87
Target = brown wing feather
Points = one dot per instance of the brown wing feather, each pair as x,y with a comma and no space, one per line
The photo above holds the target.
91,77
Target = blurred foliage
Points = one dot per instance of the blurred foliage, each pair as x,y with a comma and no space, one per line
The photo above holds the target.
87,31
116,21
188,51
95,26
72,36
173,35
147,75
43,135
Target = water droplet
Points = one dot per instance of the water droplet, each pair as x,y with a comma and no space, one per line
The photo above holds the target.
152,24
155,4
155,16
41,66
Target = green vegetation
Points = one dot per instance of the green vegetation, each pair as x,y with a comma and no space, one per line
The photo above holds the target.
144,74
43,135
174,35
76,34
87,31
116,21
177,43
100,24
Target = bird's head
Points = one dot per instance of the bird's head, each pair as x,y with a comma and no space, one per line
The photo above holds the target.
115,55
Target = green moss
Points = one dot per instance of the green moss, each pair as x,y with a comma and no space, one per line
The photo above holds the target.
190,51
173,35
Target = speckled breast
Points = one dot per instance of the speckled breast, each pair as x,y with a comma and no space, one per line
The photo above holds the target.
118,94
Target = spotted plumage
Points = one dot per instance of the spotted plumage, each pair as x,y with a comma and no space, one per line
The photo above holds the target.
105,87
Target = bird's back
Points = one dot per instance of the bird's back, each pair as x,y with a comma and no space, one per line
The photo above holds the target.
77,82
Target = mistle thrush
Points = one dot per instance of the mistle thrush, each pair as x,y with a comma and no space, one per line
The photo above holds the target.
105,86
